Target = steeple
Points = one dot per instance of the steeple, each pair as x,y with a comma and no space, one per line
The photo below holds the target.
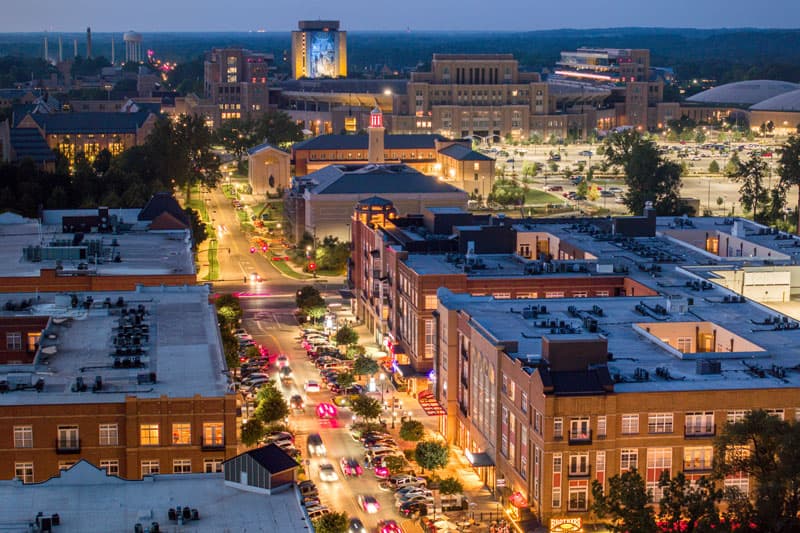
376,132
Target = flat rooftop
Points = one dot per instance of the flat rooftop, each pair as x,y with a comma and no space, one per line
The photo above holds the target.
87,500
141,252
180,345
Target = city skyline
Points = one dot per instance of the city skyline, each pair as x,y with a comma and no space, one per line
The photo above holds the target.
360,15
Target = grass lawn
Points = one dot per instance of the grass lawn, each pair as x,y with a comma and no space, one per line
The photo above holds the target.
535,196
213,262
284,268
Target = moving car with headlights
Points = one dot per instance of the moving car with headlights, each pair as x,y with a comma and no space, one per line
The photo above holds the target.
327,473
311,386
369,504
351,467
315,445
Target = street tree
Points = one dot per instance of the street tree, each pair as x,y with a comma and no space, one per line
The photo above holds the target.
789,167
346,336
395,463
366,407
197,227
278,129
365,366
618,147
316,313
229,306
767,450
713,167
332,523
689,506
412,430
431,455
271,405
626,503
236,136
753,193
252,432
308,297
451,485
345,379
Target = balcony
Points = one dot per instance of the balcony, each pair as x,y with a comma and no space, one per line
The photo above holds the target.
580,472
68,445
212,445
462,408
699,432
580,437
697,467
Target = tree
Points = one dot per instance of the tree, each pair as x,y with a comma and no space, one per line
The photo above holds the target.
713,167
450,485
767,449
332,523
272,406
732,165
412,430
102,162
236,136
345,379
700,136
366,407
507,192
365,366
346,336
278,128
626,503
230,308
529,170
309,297
431,455
197,227
395,463
316,312
752,191
252,432
789,167
687,506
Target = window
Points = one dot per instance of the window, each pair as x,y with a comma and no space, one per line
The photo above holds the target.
556,492
14,341
148,435
523,451
68,437
579,429
109,435
213,434
150,466
431,301
580,294
700,423
628,459
524,403
698,458
578,495
601,427
430,337
600,466
601,293
24,472
630,424
554,294
501,295
538,422
739,481
659,460
182,466
23,436
579,464
558,428
181,434
512,391
684,344
212,465
737,415
111,466
66,465
659,423
777,413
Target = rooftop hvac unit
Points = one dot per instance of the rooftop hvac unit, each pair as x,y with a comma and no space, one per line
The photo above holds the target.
709,366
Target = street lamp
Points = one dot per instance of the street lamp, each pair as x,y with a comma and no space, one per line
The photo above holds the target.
383,380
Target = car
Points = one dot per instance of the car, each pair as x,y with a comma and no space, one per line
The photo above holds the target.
414,508
311,501
356,526
381,472
255,277
585,153
255,381
286,374
344,400
317,512
401,481
555,188
351,467
389,526
427,500
327,473
282,361
280,436
409,492
315,445
615,190
311,386
369,504
296,402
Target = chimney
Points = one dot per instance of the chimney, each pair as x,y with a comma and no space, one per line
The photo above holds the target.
375,151
88,43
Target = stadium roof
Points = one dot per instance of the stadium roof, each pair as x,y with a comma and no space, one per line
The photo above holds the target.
783,102
743,93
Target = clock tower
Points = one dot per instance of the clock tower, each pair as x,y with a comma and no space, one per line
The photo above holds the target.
376,131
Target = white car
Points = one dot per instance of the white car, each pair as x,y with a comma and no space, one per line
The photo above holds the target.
327,472
311,386
282,361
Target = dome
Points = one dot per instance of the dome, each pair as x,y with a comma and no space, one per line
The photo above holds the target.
783,102
132,36
743,93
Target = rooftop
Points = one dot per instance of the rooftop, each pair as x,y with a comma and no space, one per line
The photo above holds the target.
374,179
743,93
409,141
88,500
460,152
177,343
91,122
141,252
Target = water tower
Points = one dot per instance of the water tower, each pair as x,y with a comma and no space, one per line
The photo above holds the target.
133,46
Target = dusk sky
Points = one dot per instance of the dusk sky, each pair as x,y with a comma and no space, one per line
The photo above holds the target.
282,15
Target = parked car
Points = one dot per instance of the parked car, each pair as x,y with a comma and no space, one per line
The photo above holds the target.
317,512
389,526
311,386
414,509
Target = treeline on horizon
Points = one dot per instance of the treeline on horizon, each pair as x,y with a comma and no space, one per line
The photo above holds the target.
724,55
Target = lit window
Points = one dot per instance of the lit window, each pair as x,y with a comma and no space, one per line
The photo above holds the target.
148,435
659,460
211,466
213,434
659,423
181,433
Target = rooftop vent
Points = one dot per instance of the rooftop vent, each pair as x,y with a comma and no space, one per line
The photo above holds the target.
708,366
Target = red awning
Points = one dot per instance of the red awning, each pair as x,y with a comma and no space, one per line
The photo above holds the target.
518,500
430,405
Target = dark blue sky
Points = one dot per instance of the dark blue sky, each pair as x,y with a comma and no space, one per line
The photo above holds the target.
282,15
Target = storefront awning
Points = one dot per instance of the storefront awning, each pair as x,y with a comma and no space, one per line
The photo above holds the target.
478,458
430,404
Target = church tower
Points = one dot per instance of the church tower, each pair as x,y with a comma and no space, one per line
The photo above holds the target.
376,131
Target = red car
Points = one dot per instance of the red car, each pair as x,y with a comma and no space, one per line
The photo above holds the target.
350,467
389,526
381,472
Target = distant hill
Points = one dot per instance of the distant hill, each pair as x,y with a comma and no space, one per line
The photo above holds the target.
723,54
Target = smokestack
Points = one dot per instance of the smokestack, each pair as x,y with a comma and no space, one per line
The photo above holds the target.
60,49
75,44
45,47
112,49
88,43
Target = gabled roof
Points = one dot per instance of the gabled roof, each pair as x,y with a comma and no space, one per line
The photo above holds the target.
375,201
261,147
459,152
166,221
361,142
163,202
375,179
91,122
272,458
28,143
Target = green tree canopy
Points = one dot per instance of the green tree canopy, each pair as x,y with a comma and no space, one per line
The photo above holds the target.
252,432
271,405
366,407
625,503
365,366
309,297
688,505
789,167
431,455
753,193
451,485
278,129
332,523
412,430
346,336
345,379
